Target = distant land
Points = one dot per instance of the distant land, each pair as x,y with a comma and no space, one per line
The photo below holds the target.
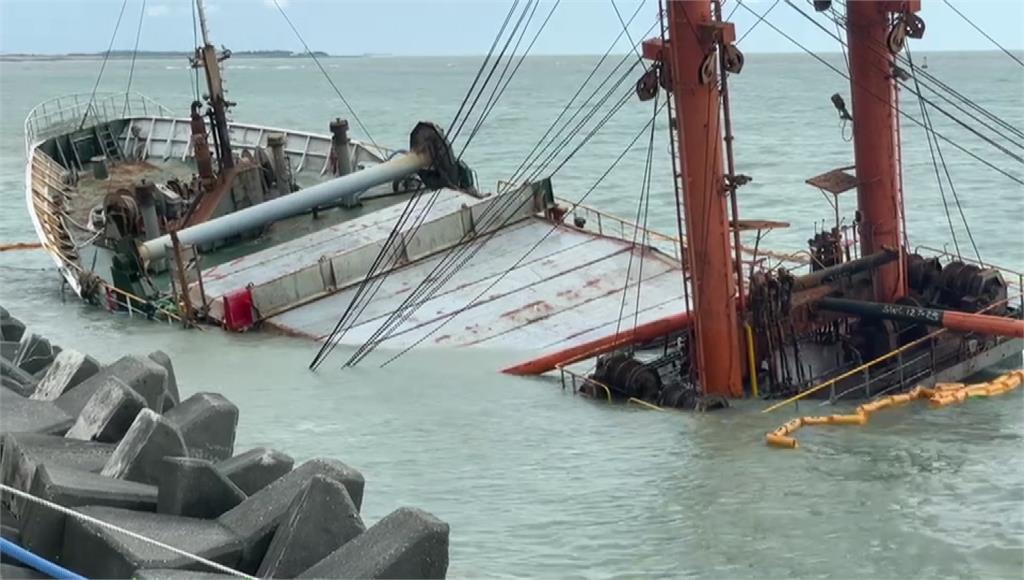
164,54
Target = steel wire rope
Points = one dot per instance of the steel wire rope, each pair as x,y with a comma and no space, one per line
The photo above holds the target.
126,532
985,34
937,149
334,338
840,24
542,150
433,282
135,53
565,109
918,94
462,123
568,138
449,317
398,317
643,198
439,282
473,105
900,111
949,178
103,65
327,76
503,79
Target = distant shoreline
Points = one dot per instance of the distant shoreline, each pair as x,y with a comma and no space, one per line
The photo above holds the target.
287,54
160,54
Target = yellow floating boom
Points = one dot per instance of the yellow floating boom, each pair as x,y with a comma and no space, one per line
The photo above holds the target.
940,395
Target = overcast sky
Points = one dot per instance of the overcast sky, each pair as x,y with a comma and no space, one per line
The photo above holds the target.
446,27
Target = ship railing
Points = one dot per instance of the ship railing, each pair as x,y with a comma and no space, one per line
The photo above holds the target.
575,380
70,112
610,225
872,370
1012,277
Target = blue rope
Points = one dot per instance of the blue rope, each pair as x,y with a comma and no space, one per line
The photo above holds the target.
42,565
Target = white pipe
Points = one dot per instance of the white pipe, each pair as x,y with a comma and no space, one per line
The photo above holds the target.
288,205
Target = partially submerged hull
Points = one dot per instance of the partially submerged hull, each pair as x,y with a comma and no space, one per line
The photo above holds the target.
299,275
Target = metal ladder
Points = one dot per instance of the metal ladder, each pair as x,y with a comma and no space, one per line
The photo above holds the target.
108,143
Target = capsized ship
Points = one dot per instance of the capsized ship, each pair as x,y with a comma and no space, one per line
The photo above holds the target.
203,220
866,314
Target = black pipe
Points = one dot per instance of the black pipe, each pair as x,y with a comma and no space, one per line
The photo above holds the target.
824,275
901,312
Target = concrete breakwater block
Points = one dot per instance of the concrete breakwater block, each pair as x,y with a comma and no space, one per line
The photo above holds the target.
139,456
9,350
173,398
194,488
68,370
42,528
22,453
320,520
97,552
207,421
12,571
408,543
14,378
11,329
256,468
21,415
141,373
34,354
108,414
256,519
10,529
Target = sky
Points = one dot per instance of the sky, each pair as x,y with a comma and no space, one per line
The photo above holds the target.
439,27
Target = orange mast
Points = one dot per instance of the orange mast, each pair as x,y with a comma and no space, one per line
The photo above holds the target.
691,57
876,143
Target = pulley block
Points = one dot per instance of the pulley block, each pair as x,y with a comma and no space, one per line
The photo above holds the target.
914,24
647,85
707,69
733,59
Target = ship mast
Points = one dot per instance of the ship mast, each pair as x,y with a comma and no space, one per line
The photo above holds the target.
207,57
873,40
693,61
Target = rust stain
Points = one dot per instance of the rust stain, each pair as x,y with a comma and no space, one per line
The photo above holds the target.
526,311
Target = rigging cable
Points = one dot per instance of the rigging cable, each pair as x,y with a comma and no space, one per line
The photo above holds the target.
135,53
103,65
334,338
642,210
900,111
949,178
432,282
449,317
903,84
326,76
542,146
503,81
938,178
985,34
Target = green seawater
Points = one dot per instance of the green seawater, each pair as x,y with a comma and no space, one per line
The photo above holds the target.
534,481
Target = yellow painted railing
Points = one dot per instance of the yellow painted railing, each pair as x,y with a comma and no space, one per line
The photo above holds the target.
874,363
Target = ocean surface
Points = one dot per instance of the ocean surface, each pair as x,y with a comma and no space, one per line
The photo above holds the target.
536,482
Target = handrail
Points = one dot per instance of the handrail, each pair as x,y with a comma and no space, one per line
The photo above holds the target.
874,362
58,114
575,375
948,254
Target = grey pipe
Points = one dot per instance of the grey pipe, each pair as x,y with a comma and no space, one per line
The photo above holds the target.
288,205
